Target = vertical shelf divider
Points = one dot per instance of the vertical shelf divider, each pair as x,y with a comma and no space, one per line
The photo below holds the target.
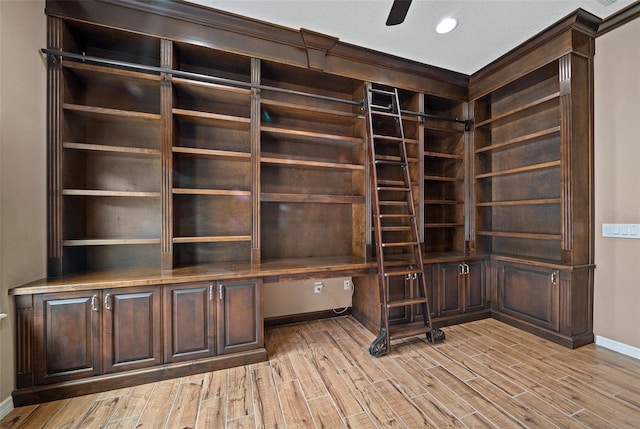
166,136
255,162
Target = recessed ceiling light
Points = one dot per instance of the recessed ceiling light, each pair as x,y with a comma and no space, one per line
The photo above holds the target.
446,25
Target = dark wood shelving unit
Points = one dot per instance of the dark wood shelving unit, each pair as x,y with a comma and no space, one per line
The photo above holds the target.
190,162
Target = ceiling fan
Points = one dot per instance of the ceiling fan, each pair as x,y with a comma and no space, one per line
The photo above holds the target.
398,12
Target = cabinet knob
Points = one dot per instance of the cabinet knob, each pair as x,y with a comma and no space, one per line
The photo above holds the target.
107,301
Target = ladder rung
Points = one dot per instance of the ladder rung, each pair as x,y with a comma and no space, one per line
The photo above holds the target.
382,91
385,182
407,330
395,228
392,188
405,302
390,162
404,272
393,203
401,244
388,113
395,216
394,139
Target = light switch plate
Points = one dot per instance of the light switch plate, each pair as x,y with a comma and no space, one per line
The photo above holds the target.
621,230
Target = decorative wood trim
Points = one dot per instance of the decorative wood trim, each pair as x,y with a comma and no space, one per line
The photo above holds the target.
619,18
255,162
166,145
24,341
546,46
124,379
317,46
55,262
303,317
566,158
227,31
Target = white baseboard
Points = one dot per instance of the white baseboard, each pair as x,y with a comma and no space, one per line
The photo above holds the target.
619,347
5,407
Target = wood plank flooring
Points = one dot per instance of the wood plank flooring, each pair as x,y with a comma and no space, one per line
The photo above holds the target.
320,375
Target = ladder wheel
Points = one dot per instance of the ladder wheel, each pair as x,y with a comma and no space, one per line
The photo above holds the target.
379,346
437,334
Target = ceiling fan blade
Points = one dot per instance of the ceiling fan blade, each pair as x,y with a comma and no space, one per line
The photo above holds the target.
398,12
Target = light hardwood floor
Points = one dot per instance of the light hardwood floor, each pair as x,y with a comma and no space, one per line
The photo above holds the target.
319,374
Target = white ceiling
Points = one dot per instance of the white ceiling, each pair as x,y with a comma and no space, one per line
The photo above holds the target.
487,29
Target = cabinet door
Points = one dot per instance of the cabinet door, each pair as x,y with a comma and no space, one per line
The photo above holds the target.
240,325
530,293
189,321
430,272
474,284
67,336
131,328
450,285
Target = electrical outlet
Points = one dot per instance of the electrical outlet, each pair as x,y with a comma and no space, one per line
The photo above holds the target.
347,285
317,287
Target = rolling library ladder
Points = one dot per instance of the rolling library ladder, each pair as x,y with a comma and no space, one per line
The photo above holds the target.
398,252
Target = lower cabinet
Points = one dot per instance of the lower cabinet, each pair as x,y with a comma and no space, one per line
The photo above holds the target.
71,343
240,325
462,287
82,334
66,336
189,321
550,301
457,293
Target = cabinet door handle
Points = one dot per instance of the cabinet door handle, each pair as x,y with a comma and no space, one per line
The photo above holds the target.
466,268
94,302
460,269
220,291
107,301
210,291
554,278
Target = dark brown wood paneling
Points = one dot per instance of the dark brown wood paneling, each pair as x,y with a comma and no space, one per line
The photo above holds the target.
240,325
530,293
131,328
67,336
189,321
451,292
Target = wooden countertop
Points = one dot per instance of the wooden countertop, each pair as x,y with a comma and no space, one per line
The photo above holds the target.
270,271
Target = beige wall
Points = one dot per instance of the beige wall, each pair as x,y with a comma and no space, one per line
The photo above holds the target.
22,162
617,189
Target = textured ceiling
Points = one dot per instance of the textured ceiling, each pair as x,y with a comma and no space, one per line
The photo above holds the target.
487,29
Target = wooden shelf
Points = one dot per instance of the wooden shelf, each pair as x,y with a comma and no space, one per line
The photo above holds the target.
113,149
519,202
309,164
218,192
205,90
443,155
533,167
101,72
211,153
520,235
104,111
110,241
306,198
519,140
212,239
441,179
105,193
452,202
517,112
303,111
314,137
213,119
444,225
